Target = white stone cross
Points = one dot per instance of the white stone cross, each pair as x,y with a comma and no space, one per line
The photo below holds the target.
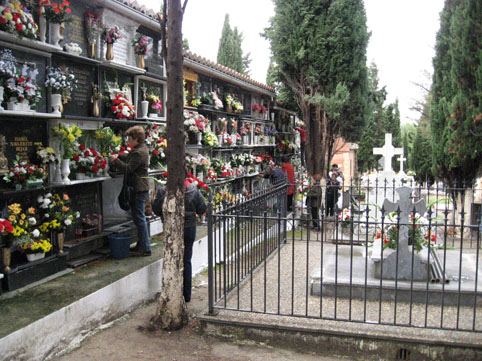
401,159
388,151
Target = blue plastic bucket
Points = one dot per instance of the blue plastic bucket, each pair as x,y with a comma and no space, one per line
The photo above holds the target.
120,244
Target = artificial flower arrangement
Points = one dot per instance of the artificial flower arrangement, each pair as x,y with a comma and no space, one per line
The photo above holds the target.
36,245
68,136
195,122
418,234
140,45
156,145
111,35
229,99
155,102
16,19
222,126
107,140
210,138
93,26
61,81
122,108
88,161
286,144
47,155
245,129
345,218
8,65
256,108
237,106
23,171
227,139
23,86
211,175
23,225
258,130
232,125
56,212
198,162
56,13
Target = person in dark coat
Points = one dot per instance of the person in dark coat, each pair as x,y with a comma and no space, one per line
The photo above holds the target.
314,200
137,164
332,187
193,204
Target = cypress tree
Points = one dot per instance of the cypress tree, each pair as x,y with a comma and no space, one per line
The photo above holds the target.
230,52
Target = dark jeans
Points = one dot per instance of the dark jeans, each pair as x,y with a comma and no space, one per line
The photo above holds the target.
331,204
315,217
189,238
302,153
138,204
290,202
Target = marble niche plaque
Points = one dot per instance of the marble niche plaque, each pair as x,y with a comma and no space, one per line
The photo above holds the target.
75,29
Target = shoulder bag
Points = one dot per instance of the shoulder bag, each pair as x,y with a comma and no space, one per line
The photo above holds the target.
125,194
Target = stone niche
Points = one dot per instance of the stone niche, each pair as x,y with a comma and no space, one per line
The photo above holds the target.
123,49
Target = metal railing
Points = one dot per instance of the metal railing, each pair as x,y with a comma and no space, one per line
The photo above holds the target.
263,260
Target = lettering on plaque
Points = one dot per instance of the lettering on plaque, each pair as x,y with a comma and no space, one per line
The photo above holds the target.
76,33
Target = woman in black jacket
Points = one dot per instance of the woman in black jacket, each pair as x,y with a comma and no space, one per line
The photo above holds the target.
193,204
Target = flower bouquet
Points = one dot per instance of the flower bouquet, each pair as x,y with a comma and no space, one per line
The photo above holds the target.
111,35
68,136
61,81
93,26
8,67
56,212
156,145
122,108
237,106
56,13
36,245
107,140
16,19
155,105
47,155
258,130
20,224
140,45
88,161
210,138
345,218
25,174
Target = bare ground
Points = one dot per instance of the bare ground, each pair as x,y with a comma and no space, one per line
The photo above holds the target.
128,340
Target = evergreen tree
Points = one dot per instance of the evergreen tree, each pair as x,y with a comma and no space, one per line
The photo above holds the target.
420,159
456,113
230,51
320,51
185,44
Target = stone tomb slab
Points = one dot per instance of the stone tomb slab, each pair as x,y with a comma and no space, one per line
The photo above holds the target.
348,270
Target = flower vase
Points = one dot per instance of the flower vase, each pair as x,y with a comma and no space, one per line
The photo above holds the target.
42,25
60,241
58,174
199,138
31,257
1,97
95,108
65,171
55,34
229,108
91,50
6,258
245,140
200,176
109,54
55,103
256,139
220,140
25,105
144,108
140,61
80,176
14,105
345,231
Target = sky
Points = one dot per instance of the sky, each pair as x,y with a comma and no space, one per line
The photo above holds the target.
401,43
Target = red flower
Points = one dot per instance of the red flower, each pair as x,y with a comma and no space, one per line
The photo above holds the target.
3,20
155,152
96,160
95,168
82,147
76,157
164,174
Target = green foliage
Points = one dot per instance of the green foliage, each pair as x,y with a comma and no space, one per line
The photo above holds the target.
316,46
185,44
230,51
420,159
456,108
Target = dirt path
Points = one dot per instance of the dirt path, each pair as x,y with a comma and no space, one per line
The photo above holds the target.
125,341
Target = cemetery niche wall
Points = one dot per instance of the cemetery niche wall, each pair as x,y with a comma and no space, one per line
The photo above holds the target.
86,85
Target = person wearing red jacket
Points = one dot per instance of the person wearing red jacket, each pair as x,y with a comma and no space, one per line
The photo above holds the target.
289,171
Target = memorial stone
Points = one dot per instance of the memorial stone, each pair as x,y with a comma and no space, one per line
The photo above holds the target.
75,31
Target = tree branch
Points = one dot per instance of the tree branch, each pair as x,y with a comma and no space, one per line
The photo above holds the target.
184,6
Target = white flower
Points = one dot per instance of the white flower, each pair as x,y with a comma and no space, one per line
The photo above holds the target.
68,221
32,221
36,233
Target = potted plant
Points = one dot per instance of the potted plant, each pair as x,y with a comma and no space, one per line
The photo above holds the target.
155,105
56,13
61,82
110,36
36,247
24,174
140,48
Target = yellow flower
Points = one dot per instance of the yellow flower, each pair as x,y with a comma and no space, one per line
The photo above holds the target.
12,218
23,216
14,208
21,222
71,138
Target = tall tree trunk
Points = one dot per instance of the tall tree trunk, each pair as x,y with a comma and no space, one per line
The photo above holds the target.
171,312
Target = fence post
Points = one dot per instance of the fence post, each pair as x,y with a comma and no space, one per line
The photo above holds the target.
210,256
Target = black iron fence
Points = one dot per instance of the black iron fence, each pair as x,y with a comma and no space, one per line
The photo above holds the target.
383,257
